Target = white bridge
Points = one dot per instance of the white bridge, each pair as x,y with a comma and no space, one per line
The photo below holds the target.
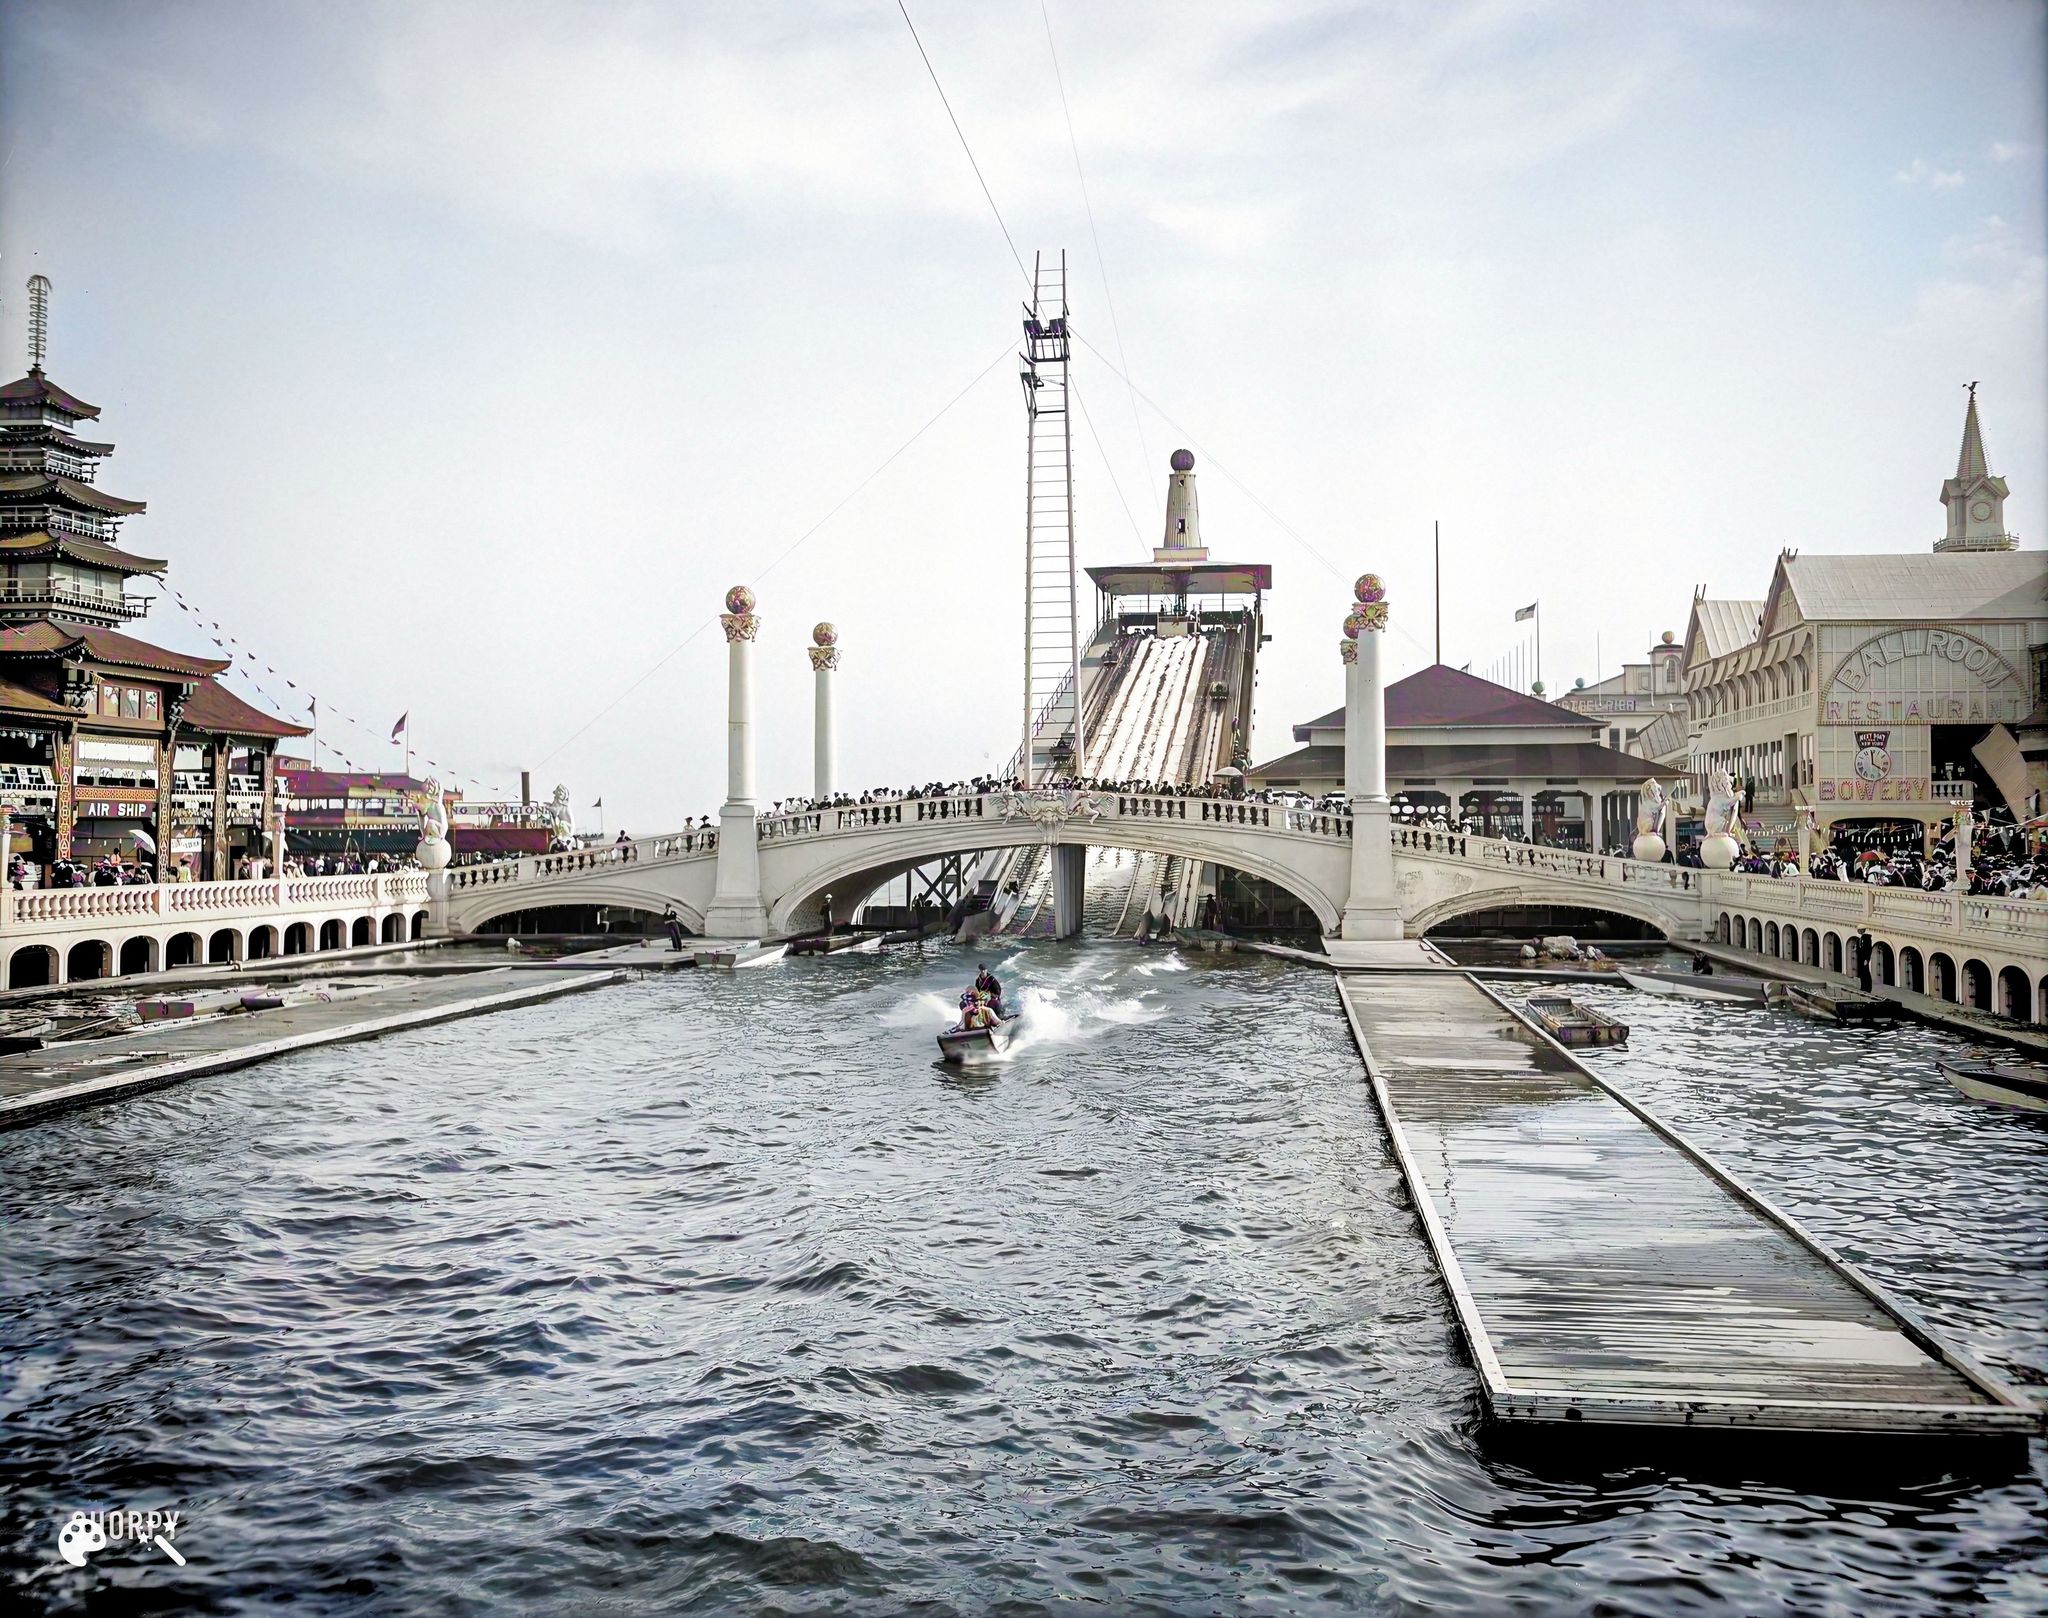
1365,880
1987,952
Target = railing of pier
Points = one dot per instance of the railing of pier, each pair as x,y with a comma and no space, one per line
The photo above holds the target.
140,901
1912,910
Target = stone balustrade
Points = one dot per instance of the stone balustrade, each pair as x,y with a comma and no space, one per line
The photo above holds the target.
65,907
1003,804
687,845
1606,869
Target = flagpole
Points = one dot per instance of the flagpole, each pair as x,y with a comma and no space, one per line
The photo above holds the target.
1539,640
1437,545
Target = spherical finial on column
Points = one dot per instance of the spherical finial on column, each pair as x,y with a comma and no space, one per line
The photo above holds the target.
738,617
1371,611
825,650
1183,460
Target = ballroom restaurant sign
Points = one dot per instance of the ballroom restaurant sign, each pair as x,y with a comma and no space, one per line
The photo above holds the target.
1923,677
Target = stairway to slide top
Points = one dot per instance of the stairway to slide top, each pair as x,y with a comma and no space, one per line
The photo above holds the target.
1603,1269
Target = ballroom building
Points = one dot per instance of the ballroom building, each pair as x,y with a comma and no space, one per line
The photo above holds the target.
109,746
1882,692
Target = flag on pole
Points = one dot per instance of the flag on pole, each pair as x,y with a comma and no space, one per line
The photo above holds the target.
398,729
1526,613
599,804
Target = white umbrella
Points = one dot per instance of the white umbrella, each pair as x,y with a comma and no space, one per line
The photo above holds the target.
144,841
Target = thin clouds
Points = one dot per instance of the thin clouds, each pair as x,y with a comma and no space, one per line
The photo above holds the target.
639,290
1922,172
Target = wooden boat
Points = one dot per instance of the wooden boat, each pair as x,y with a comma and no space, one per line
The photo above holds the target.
978,1044
279,999
1724,986
18,1034
1575,1026
732,957
1850,1007
2023,1089
162,1008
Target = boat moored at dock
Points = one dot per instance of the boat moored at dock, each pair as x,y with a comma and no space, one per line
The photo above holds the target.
1851,1008
1728,986
2021,1089
1574,1026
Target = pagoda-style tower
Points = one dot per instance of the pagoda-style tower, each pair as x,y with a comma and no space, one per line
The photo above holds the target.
59,535
110,748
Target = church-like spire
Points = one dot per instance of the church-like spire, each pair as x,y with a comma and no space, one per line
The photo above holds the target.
1975,499
1970,464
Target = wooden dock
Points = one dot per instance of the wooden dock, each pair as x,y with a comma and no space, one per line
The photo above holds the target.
1604,1270
36,1084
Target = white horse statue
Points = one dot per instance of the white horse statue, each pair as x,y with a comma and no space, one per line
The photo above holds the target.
1725,834
434,852
432,809
1649,844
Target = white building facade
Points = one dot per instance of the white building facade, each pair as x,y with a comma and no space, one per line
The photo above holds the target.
1878,689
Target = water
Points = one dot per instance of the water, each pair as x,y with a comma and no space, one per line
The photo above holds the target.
712,1293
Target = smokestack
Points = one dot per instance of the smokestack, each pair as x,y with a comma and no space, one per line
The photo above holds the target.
525,787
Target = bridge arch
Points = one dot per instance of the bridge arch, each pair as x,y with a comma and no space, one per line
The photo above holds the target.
493,904
1618,902
851,867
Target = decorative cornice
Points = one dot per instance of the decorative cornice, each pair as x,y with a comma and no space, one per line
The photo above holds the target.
740,626
1348,650
824,657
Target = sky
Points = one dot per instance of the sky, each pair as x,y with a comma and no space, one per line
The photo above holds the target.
465,354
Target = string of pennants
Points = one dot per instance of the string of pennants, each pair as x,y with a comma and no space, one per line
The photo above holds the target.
243,663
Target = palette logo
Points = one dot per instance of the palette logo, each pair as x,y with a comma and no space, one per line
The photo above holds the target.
85,1533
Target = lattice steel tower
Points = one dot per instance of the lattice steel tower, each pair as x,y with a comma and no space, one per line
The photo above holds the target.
1053,740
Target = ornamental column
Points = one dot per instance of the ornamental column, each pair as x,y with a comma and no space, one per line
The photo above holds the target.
825,738
736,910
1371,910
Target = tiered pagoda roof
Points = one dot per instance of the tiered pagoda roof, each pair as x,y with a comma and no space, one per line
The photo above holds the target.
36,395
41,542
59,638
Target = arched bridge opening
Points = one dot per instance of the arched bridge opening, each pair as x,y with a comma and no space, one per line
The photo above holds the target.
1525,920
576,921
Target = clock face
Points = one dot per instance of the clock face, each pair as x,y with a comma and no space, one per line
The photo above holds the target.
1873,764
1981,510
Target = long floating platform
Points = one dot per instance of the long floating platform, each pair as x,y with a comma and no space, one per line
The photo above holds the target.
37,1084
1605,1270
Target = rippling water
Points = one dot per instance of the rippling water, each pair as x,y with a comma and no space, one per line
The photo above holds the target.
712,1293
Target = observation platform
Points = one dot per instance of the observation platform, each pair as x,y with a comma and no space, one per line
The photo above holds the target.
1606,1271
